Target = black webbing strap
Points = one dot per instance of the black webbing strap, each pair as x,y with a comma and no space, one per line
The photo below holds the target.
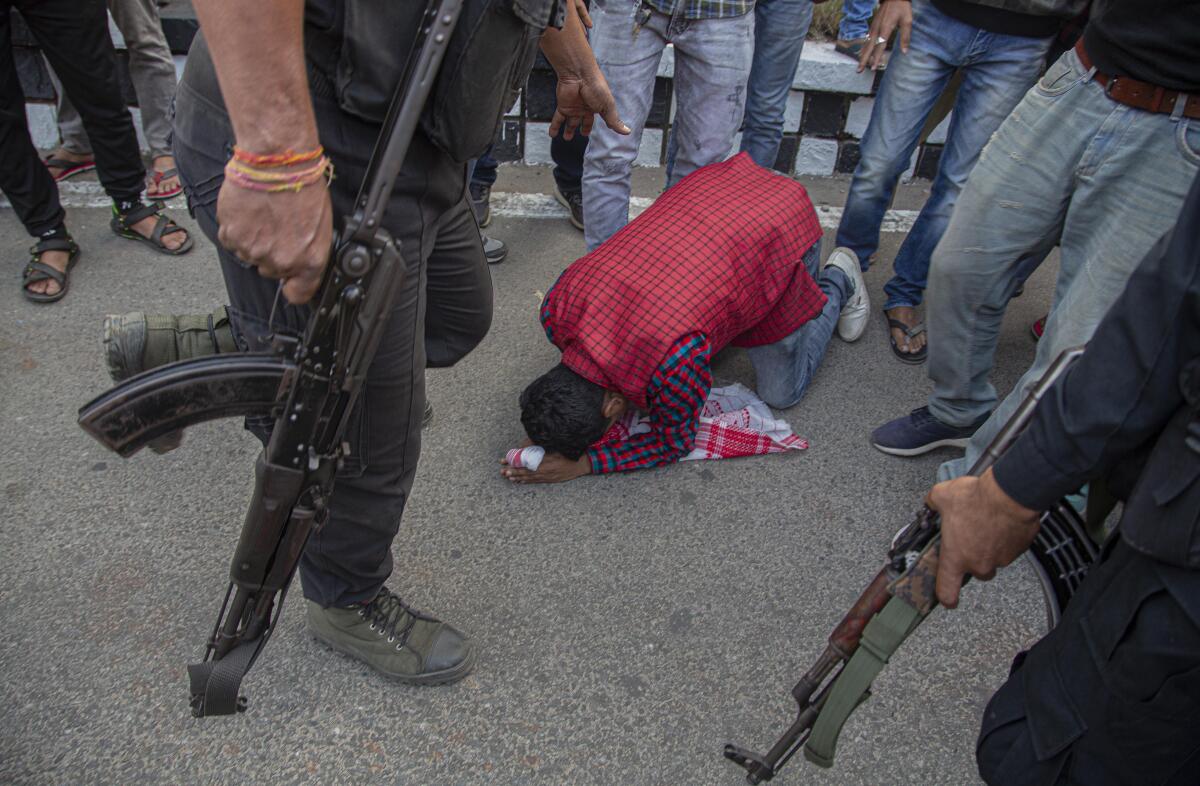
215,683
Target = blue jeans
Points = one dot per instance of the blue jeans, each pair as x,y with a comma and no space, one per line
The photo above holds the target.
1069,166
483,169
779,30
568,161
856,18
785,369
997,70
712,63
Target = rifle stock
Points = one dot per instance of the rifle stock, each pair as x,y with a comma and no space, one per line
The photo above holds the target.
1061,554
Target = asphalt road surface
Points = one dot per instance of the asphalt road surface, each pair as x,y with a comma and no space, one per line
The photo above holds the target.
630,625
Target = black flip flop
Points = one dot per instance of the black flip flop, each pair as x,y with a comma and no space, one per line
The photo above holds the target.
37,270
914,358
122,224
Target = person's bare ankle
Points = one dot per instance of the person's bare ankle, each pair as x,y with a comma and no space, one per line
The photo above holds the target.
70,155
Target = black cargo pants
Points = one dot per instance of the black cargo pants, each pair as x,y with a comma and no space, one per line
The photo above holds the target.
1112,694
442,311
73,34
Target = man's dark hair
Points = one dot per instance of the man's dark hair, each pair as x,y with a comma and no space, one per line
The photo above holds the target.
560,411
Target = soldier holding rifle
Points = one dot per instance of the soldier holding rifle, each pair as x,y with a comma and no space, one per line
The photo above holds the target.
276,96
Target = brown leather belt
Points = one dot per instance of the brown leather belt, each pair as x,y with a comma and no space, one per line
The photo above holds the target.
1141,95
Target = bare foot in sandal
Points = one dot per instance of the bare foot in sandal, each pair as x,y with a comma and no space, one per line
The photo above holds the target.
909,345
148,224
48,286
172,240
64,163
164,179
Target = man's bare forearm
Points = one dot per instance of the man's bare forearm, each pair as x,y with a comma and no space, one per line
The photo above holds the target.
258,51
568,49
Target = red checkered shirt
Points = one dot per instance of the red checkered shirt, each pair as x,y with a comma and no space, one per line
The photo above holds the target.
716,260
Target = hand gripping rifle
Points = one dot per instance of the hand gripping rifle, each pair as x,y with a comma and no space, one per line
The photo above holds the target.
309,386
901,596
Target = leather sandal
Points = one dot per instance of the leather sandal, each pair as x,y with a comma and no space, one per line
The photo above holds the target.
909,332
37,270
122,224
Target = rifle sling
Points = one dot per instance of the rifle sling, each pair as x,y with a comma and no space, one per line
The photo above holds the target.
882,636
215,683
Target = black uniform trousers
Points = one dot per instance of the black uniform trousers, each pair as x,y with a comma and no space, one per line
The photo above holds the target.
442,311
1112,694
73,34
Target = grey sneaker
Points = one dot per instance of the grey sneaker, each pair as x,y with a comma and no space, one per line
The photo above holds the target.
481,203
573,202
494,250
856,309
395,640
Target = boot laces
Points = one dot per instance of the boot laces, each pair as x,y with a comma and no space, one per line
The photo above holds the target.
386,613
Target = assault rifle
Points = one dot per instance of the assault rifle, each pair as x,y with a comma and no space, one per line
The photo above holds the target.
308,385
900,597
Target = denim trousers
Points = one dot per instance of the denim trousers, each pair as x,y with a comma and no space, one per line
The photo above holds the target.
712,63
442,310
783,370
997,70
566,154
856,18
779,30
151,69
482,170
1071,167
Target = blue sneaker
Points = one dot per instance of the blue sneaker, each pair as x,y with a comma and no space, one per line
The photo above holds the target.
920,432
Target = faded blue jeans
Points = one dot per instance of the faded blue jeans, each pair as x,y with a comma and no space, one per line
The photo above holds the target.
1069,166
712,62
784,369
856,18
997,70
779,30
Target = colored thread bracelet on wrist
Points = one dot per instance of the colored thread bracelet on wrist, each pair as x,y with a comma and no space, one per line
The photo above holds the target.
271,182
268,176
286,158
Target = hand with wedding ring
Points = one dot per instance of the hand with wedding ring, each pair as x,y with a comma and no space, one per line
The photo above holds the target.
892,15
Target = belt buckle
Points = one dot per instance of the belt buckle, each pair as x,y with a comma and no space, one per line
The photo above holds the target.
1108,88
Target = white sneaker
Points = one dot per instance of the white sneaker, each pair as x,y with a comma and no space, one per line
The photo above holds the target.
855,311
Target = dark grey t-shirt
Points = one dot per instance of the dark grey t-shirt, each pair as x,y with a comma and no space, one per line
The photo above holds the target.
1155,41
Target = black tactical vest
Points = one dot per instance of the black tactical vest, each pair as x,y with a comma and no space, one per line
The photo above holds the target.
359,48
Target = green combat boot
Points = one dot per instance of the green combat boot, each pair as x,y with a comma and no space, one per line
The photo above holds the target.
395,640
